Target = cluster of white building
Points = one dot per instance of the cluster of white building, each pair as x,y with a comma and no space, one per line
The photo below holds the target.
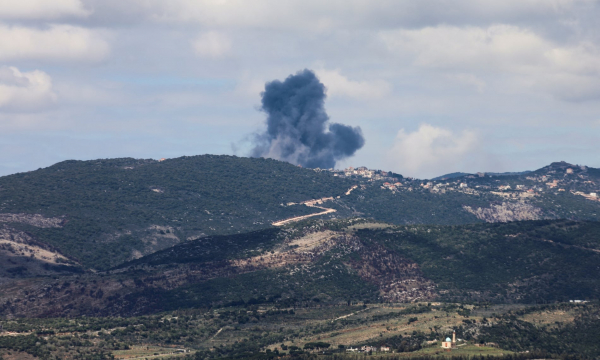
391,183
368,348
361,171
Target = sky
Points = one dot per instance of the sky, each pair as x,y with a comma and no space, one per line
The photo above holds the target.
436,86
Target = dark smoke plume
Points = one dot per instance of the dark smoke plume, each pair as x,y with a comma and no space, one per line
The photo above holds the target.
297,129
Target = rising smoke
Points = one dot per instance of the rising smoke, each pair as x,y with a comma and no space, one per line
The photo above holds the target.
297,125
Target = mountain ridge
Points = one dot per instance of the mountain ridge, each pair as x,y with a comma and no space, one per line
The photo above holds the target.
110,211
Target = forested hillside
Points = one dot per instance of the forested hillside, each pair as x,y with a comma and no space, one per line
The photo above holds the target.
528,262
109,211
79,215
336,262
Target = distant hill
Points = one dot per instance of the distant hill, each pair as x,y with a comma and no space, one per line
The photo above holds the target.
109,211
461,174
81,215
509,173
557,191
450,176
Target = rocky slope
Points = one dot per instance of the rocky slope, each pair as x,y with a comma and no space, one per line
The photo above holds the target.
334,263
504,212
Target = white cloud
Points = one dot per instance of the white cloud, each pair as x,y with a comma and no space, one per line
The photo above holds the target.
230,13
41,9
212,44
569,71
317,15
25,90
57,42
450,47
339,85
431,151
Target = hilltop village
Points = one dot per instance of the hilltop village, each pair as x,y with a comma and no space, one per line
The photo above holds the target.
555,178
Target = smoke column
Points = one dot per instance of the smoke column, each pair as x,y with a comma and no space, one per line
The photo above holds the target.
297,129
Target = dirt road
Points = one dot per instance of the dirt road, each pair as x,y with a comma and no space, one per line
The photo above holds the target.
312,203
298,218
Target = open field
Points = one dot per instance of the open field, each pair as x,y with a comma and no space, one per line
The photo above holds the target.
468,350
151,352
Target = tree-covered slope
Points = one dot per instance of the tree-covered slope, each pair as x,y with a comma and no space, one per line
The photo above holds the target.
412,207
113,209
102,213
529,261
336,262
214,248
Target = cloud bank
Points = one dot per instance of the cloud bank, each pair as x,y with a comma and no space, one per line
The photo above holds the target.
57,42
25,91
41,9
568,71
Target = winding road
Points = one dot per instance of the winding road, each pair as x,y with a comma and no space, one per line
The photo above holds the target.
312,203
298,218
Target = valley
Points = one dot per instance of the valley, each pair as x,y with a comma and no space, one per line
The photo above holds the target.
218,256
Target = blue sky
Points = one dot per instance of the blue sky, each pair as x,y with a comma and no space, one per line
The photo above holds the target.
436,86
